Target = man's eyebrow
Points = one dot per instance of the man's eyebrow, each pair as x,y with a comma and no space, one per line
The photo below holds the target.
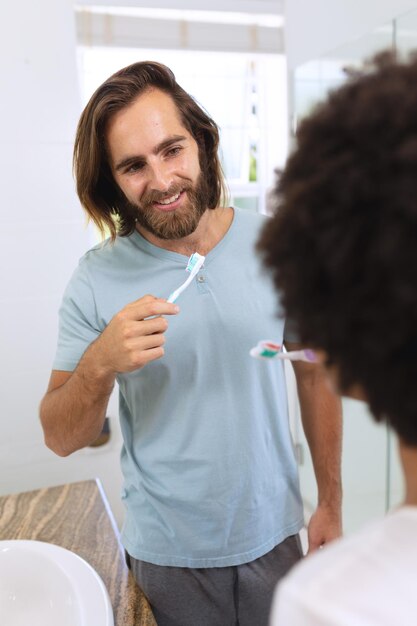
128,161
158,148
168,142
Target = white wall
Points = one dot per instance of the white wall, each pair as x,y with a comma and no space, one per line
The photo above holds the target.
42,235
314,28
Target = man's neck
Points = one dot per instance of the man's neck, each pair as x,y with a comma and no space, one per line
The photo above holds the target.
408,455
211,229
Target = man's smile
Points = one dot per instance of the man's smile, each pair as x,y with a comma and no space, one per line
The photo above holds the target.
169,204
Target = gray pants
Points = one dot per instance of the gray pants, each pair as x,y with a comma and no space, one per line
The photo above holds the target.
240,595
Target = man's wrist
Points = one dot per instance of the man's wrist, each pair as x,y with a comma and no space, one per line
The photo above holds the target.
95,375
332,502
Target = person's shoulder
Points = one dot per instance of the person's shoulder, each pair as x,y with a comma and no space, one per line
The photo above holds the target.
350,574
106,251
98,248
251,218
248,224
329,566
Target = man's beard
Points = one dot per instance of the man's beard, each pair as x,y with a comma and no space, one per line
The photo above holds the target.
178,223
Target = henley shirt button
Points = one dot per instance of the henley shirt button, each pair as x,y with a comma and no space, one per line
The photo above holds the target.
200,279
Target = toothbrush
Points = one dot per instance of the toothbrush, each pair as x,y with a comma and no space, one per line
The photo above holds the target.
194,264
271,350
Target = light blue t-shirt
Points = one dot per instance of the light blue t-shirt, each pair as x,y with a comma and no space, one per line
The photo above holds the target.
210,477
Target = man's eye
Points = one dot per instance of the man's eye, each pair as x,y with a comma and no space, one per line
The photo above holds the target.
134,167
174,150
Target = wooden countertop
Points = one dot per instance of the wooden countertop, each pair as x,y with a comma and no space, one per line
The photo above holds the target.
77,516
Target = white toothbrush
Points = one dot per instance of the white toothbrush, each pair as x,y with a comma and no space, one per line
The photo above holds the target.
194,264
270,350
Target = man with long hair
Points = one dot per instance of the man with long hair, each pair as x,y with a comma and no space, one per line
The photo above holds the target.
210,479
343,252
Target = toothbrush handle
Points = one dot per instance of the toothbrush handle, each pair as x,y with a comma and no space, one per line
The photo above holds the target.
296,355
174,295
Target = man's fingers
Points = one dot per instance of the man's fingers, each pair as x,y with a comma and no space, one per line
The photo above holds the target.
154,353
148,306
153,325
145,349
134,329
147,342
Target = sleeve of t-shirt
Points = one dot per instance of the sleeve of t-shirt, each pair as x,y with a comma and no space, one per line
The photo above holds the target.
78,326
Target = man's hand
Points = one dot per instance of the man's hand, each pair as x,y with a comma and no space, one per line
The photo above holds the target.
134,336
325,525
73,409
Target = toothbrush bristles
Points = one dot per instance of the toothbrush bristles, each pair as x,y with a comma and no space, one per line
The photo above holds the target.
193,260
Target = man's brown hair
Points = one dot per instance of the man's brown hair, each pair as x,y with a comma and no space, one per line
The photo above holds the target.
99,194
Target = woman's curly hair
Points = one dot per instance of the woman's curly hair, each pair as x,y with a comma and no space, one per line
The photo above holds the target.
343,243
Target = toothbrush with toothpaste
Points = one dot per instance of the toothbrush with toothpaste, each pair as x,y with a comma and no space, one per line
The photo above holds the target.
195,262
270,350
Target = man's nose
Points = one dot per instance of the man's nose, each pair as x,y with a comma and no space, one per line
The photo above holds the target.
161,177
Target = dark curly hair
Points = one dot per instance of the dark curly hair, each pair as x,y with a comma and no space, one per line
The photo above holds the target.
342,245
100,196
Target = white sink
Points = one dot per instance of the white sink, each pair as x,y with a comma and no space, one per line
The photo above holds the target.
44,585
